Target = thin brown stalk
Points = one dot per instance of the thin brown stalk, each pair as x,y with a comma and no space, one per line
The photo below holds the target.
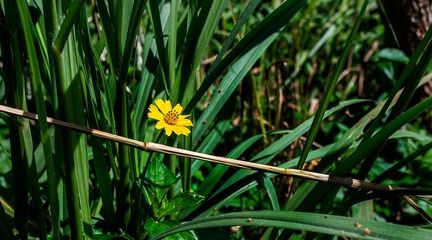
160,148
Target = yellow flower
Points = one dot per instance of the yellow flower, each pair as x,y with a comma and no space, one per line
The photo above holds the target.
169,117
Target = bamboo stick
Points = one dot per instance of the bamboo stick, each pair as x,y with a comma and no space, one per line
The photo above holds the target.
160,148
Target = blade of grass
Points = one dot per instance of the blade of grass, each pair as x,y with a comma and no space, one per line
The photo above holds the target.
185,166
66,62
311,222
271,193
329,90
403,133
132,30
160,43
387,20
93,102
67,24
129,169
141,103
73,145
123,186
103,180
127,172
212,140
116,11
25,21
109,31
172,43
19,172
64,59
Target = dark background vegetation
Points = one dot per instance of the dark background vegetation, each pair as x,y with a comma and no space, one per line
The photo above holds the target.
282,90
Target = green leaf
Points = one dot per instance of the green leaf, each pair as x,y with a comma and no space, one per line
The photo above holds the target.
180,204
391,54
310,222
271,192
154,228
159,174
411,134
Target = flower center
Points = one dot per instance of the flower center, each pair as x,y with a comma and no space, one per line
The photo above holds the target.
171,117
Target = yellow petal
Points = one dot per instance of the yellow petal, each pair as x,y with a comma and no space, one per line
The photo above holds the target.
177,130
168,130
163,106
155,113
184,122
160,125
184,116
178,108
168,104
181,130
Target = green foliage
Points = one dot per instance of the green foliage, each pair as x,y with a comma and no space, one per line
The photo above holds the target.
328,224
255,78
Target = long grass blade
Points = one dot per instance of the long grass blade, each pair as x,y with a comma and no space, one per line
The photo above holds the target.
67,24
311,222
160,43
25,20
329,89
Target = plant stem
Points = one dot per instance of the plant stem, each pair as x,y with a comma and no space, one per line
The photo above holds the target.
124,184
160,148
